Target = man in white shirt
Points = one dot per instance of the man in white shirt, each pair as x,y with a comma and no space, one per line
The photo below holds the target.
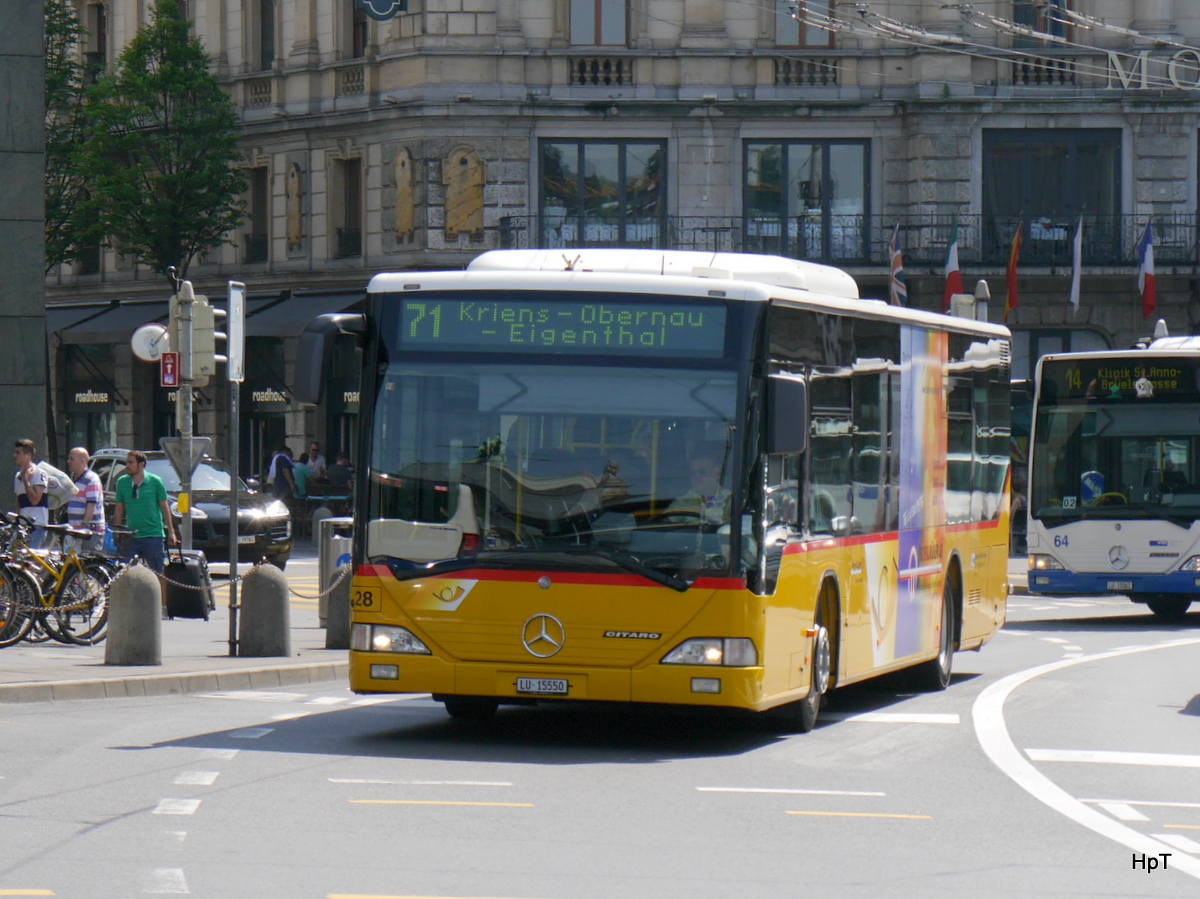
29,485
316,462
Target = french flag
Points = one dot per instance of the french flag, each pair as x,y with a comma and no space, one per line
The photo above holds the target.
1145,254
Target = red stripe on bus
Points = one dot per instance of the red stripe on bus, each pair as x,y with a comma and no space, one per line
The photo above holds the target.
373,571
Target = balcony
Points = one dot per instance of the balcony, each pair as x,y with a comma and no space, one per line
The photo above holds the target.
861,240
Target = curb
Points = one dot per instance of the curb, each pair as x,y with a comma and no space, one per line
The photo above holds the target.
174,684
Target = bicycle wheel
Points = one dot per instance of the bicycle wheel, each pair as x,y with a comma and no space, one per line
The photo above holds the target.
80,610
22,595
92,624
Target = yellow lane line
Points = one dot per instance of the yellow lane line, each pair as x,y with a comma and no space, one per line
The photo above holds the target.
27,893
862,815
1183,826
431,802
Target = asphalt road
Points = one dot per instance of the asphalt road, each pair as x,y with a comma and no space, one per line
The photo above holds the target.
1063,751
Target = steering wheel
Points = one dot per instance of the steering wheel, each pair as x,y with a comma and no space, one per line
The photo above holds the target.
1110,499
693,519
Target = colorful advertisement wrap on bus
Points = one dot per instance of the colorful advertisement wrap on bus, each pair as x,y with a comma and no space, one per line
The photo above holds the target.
922,488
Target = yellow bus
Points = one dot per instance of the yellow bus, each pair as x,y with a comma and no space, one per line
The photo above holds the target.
667,477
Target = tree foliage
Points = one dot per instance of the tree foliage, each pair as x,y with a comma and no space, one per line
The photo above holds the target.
70,226
162,155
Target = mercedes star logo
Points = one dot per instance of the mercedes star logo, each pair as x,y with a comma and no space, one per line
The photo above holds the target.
543,636
1118,557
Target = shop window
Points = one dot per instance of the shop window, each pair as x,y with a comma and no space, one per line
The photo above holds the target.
808,199
799,24
599,23
603,193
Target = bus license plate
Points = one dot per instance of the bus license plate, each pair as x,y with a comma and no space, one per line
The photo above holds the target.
246,538
543,686
1115,586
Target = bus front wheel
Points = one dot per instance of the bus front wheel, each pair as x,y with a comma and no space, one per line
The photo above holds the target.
1169,608
471,708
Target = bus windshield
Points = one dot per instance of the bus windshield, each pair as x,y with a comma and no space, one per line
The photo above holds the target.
595,463
1119,444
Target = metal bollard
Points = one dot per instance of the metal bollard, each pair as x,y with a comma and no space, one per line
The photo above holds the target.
134,618
337,624
265,623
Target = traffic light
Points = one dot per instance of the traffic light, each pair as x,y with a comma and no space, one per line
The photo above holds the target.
204,359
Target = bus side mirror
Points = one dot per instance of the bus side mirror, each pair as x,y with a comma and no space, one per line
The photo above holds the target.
787,414
314,355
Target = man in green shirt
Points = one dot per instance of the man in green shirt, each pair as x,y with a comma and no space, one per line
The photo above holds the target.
142,502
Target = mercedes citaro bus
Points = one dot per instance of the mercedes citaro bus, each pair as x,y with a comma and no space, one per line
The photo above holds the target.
667,477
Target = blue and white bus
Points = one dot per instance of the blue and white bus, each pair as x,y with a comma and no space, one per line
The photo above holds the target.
1114,475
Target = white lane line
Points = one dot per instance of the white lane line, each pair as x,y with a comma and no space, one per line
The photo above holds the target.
166,880
894,717
1123,812
1055,640
1099,757
327,700
250,733
1179,842
1144,802
1072,649
789,792
422,783
254,696
993,736
375,700
1013,633
177,807
197,778
224,754
1045,608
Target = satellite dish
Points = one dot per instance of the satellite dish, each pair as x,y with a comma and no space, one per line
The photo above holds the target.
149,342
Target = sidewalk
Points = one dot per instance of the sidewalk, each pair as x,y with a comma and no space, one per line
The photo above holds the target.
1018,575
195,655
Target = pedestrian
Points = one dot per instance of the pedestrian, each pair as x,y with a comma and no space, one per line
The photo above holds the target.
342,473
283,485
300,474
85,510
142,503
316,462
29,485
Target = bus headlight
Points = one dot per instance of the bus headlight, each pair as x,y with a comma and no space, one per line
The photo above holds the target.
731,652
1042,562
385,638
1192,564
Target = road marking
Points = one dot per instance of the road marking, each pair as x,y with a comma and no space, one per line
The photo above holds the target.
1054,640
437,802
993,736
1013,633
789,792
861,815
1072,649
177,807
1178,841
1145,802
255,696
27,893
1123,812
894,717
251,733
327,700
1182,826
422,783
197,778
166,880
226,754
1099,757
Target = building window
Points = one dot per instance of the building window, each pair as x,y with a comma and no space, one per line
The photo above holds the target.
258,237
799,24
347,207
808,199
1045,16
598,194
266,34
1047,179
95,56
599,23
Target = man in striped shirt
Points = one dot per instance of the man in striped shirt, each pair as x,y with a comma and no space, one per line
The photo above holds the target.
86,508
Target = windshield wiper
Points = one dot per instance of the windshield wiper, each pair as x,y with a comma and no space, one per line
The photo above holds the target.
630,563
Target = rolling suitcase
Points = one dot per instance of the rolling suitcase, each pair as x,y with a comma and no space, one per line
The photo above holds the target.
184,571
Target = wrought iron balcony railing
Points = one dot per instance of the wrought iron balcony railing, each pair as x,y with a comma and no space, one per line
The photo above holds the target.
859,240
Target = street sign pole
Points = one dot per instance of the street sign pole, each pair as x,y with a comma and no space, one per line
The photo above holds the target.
234,344
184,409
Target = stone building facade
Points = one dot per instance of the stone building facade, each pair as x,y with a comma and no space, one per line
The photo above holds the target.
813,130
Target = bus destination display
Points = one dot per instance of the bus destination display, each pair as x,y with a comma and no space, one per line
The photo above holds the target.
661,329
1150,377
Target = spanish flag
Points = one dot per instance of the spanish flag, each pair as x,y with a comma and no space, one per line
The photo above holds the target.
1010,275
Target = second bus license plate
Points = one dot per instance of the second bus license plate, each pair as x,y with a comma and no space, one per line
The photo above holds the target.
543,686
1119,585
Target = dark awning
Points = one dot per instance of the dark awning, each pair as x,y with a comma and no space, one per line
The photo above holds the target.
59,318
289,317
118,324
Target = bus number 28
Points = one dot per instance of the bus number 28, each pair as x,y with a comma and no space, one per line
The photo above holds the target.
362,599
